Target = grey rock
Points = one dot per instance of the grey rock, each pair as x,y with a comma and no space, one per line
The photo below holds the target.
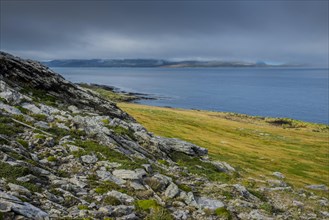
320,187
127,174
136,185
10,109
212,204
107,176
131,216
188,198
223,166
23,208
297,204
171,191
89,159
180,214
31,107
5,206
19,189
41,124
121,196
172,144
278,175
122,210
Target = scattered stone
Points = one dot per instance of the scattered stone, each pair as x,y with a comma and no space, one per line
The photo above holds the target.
90,159
19,189
171,191
297,204
207,203
317,187
124,198
127,174
41,124
278,175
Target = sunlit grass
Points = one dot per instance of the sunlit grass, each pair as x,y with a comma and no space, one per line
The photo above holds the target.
253,144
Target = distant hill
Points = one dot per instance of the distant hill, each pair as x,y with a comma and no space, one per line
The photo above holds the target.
150,63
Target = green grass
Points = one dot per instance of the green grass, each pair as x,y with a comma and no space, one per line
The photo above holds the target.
110,95
255,145
11,173
146,205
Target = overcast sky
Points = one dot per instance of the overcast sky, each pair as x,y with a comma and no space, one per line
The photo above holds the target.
276,31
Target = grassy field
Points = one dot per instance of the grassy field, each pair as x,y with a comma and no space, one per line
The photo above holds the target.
256,146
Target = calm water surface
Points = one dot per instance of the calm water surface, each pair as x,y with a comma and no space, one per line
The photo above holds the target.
295,93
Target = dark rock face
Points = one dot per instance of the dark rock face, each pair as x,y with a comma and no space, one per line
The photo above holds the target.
32,74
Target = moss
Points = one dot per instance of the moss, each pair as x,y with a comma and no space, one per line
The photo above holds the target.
122,131
164,162
223,213
146,205
52,159
106,121
39,95
11,173
184,187
23,110
196,166
105,186
24,143
39,117
83,207
8,127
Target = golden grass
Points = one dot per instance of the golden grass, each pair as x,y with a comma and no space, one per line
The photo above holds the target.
250,144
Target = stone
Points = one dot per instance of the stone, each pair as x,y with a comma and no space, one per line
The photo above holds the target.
31,107
320,187
19,189
136,185
5,206
122,210
107,176
10,109
171,191
180,214
297,204
41,124
89,159
278,175
124,198
211,204
173,144
223,166
126,174
147,167
243,191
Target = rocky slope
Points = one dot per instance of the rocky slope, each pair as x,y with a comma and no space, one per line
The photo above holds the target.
67,153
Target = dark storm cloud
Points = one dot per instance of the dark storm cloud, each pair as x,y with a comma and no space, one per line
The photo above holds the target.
278,31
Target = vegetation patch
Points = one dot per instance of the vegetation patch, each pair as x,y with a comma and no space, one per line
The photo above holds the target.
146,205
196,166
223,213
110,154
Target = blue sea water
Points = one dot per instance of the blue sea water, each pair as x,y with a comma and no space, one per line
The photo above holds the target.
299,93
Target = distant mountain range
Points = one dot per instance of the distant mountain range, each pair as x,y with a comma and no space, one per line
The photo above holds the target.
152,63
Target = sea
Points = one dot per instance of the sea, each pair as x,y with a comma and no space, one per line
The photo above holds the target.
298,93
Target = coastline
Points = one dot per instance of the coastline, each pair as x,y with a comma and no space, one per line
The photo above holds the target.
119,95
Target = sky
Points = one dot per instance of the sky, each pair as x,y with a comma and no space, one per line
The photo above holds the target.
272,31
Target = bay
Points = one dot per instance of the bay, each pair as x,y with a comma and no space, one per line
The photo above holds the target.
298,93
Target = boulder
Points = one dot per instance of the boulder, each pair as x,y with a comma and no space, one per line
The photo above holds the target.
171,191
89,159
211,204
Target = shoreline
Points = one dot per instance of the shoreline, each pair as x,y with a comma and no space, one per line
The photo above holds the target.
134,97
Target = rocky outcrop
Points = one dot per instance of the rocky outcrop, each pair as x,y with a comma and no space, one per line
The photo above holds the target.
66,153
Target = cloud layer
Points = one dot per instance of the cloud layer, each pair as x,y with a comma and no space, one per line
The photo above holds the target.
277,31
